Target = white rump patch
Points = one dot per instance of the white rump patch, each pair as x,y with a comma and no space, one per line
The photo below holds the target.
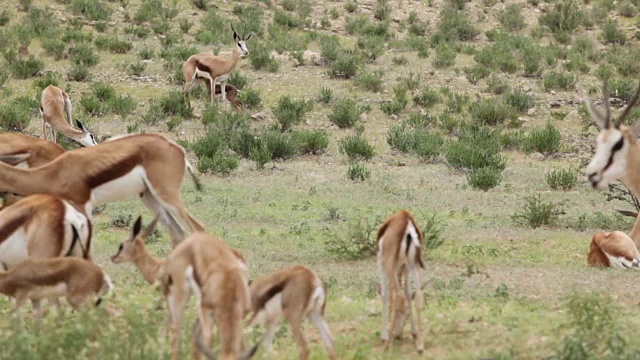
122,188
13,250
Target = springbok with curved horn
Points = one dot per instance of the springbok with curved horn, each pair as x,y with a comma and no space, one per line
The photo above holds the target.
147,165
399,247
213,69
54,103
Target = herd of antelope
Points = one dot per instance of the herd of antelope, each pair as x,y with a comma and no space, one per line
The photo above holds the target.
46,230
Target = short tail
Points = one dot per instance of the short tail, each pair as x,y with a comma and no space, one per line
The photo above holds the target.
194,176
109,288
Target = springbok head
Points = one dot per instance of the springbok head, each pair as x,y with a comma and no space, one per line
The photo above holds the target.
241,41
86,138
131,247
609,163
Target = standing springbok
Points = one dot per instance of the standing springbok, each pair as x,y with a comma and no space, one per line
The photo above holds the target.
54,103
213,69
200,264
147,165
205,266
613,249
78,280
399,247
26,152
295,293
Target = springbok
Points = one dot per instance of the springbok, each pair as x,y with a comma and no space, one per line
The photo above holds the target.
76,279
613,249
147,165
26,152
54,103
295,293
213,69
399,246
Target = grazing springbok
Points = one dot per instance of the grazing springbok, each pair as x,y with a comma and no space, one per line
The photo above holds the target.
399,247
147,165
205,266
26,152
613,249
54,104
213,69
295,293
76,279
200,264
231,93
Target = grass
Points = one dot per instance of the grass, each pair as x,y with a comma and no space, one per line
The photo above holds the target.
494,287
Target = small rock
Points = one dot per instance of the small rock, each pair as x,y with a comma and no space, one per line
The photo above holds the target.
364,117
259,116
394,117
531,111
555,104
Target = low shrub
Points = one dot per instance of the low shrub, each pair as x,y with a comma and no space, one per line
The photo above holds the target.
484,178
562,179
358,171
427,98
290,112
537,212
493,111
356,148
545,140
345,114
311,141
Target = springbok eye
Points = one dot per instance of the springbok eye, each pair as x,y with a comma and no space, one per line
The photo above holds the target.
618,145
120,247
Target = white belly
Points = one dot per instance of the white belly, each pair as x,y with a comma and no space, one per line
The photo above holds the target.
13,250
131,184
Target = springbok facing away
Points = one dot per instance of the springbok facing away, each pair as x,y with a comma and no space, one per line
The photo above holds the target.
213,69
295,293
205,266
54,103
613,249
76,279
147,165
399,246
26,152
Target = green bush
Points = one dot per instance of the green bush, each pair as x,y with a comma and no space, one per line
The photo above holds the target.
493,111
382,10
358,171
311,141
279,145
612,34
122,105
484,178
545,140
221,164
24,69
427,98
355,240
475,148
563,179
326,95
113,44
345,66
91,105
427,145
559,81
78,73
93,10
511,17
345,113
351,6
356,148
14,117
290,112
519,100
445,56
82,54
476,73
565,17
453,26
250,98
238,80
146,53
261,59
103,91
50,78
371,81
5,16
627,9
54,47
537,212
173,104
398,103
136,68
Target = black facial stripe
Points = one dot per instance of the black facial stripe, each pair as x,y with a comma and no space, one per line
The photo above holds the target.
615,148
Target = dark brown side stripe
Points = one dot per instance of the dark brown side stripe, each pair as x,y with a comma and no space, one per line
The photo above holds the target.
273,291
114,171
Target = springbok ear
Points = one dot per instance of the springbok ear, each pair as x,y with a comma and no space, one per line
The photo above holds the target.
136,227
149,229
81,125
597,116
248,36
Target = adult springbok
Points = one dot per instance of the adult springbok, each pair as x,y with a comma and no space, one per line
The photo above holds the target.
54,104
76,279
399,247
147,165
25,151
213,69
295,293
613,249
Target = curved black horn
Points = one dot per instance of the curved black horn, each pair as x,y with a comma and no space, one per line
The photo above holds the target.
232,28
607,107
